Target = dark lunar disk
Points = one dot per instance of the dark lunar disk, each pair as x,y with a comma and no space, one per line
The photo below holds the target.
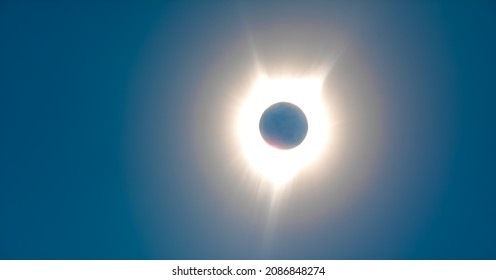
283,125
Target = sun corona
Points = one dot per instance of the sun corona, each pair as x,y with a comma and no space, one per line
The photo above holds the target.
281,165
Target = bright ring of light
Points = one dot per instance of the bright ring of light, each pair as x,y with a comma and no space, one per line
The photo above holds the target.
280,166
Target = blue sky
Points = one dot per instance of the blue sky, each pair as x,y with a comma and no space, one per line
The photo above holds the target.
98,129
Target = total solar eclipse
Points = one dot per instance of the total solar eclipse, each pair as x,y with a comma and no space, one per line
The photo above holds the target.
283,125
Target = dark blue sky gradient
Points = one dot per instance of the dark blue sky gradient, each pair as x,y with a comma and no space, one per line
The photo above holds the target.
72,77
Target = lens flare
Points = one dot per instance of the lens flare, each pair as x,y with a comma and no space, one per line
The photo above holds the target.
280,166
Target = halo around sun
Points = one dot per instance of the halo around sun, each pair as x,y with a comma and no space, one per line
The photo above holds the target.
277,165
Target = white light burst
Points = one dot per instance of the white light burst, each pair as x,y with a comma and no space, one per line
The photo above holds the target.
280,166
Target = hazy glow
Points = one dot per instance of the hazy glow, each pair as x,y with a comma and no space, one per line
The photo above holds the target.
224,158
280,166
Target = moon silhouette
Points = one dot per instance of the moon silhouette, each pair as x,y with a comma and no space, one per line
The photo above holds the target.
283,126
